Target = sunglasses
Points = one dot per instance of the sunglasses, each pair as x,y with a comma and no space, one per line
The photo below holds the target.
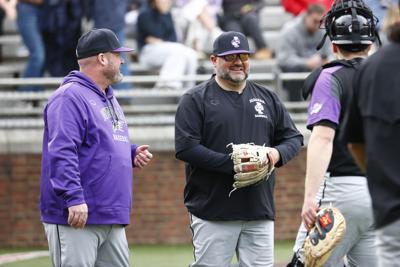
234,57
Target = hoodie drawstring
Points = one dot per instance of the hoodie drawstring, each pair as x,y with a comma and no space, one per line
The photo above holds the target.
114,114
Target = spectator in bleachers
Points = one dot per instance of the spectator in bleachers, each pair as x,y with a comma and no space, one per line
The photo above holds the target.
29,15
110,14
243,16
7,11
158,46
382,9
297,42
61,29
131,16
296,7
197,20
379,8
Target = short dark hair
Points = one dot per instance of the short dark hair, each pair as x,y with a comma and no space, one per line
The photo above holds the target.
315,8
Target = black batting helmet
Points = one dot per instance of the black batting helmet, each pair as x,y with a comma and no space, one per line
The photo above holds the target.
350,22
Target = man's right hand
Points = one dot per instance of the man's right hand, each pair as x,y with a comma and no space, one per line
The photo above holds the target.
309,212
77,216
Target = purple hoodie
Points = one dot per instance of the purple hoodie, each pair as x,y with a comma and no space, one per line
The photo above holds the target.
87,155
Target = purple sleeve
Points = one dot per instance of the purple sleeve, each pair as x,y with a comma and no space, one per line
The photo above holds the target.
133,153
325,99
66,130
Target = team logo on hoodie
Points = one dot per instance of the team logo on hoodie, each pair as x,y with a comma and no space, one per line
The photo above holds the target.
118,123
114,114
118,126
106,113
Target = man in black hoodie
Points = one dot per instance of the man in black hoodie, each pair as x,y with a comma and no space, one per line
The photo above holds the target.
373,130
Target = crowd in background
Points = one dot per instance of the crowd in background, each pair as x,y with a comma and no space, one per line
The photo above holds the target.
171,35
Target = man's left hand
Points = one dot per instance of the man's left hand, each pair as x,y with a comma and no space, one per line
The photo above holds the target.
274,156
142,157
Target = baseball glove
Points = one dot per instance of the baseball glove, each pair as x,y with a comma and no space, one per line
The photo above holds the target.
251,163
329,229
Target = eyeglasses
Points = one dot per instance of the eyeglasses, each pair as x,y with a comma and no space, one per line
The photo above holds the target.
234,57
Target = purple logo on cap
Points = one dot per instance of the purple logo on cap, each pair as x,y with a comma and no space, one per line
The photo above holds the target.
235,42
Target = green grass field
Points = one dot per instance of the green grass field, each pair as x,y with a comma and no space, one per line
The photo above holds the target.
156,256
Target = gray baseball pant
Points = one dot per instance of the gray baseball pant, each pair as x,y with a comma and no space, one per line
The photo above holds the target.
215,243
92,246
388,239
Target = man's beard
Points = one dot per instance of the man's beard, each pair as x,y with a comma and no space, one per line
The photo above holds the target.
113,74
117,77
227,76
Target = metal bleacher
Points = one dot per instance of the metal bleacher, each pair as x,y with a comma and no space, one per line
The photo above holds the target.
149,112
150,117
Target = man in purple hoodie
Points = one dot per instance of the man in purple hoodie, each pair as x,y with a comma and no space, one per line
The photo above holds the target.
86,180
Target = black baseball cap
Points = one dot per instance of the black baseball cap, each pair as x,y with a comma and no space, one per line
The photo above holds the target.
231,43
98,41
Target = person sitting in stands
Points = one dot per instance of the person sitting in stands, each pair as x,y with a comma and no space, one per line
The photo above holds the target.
158,46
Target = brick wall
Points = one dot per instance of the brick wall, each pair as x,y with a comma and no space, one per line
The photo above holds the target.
158,216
